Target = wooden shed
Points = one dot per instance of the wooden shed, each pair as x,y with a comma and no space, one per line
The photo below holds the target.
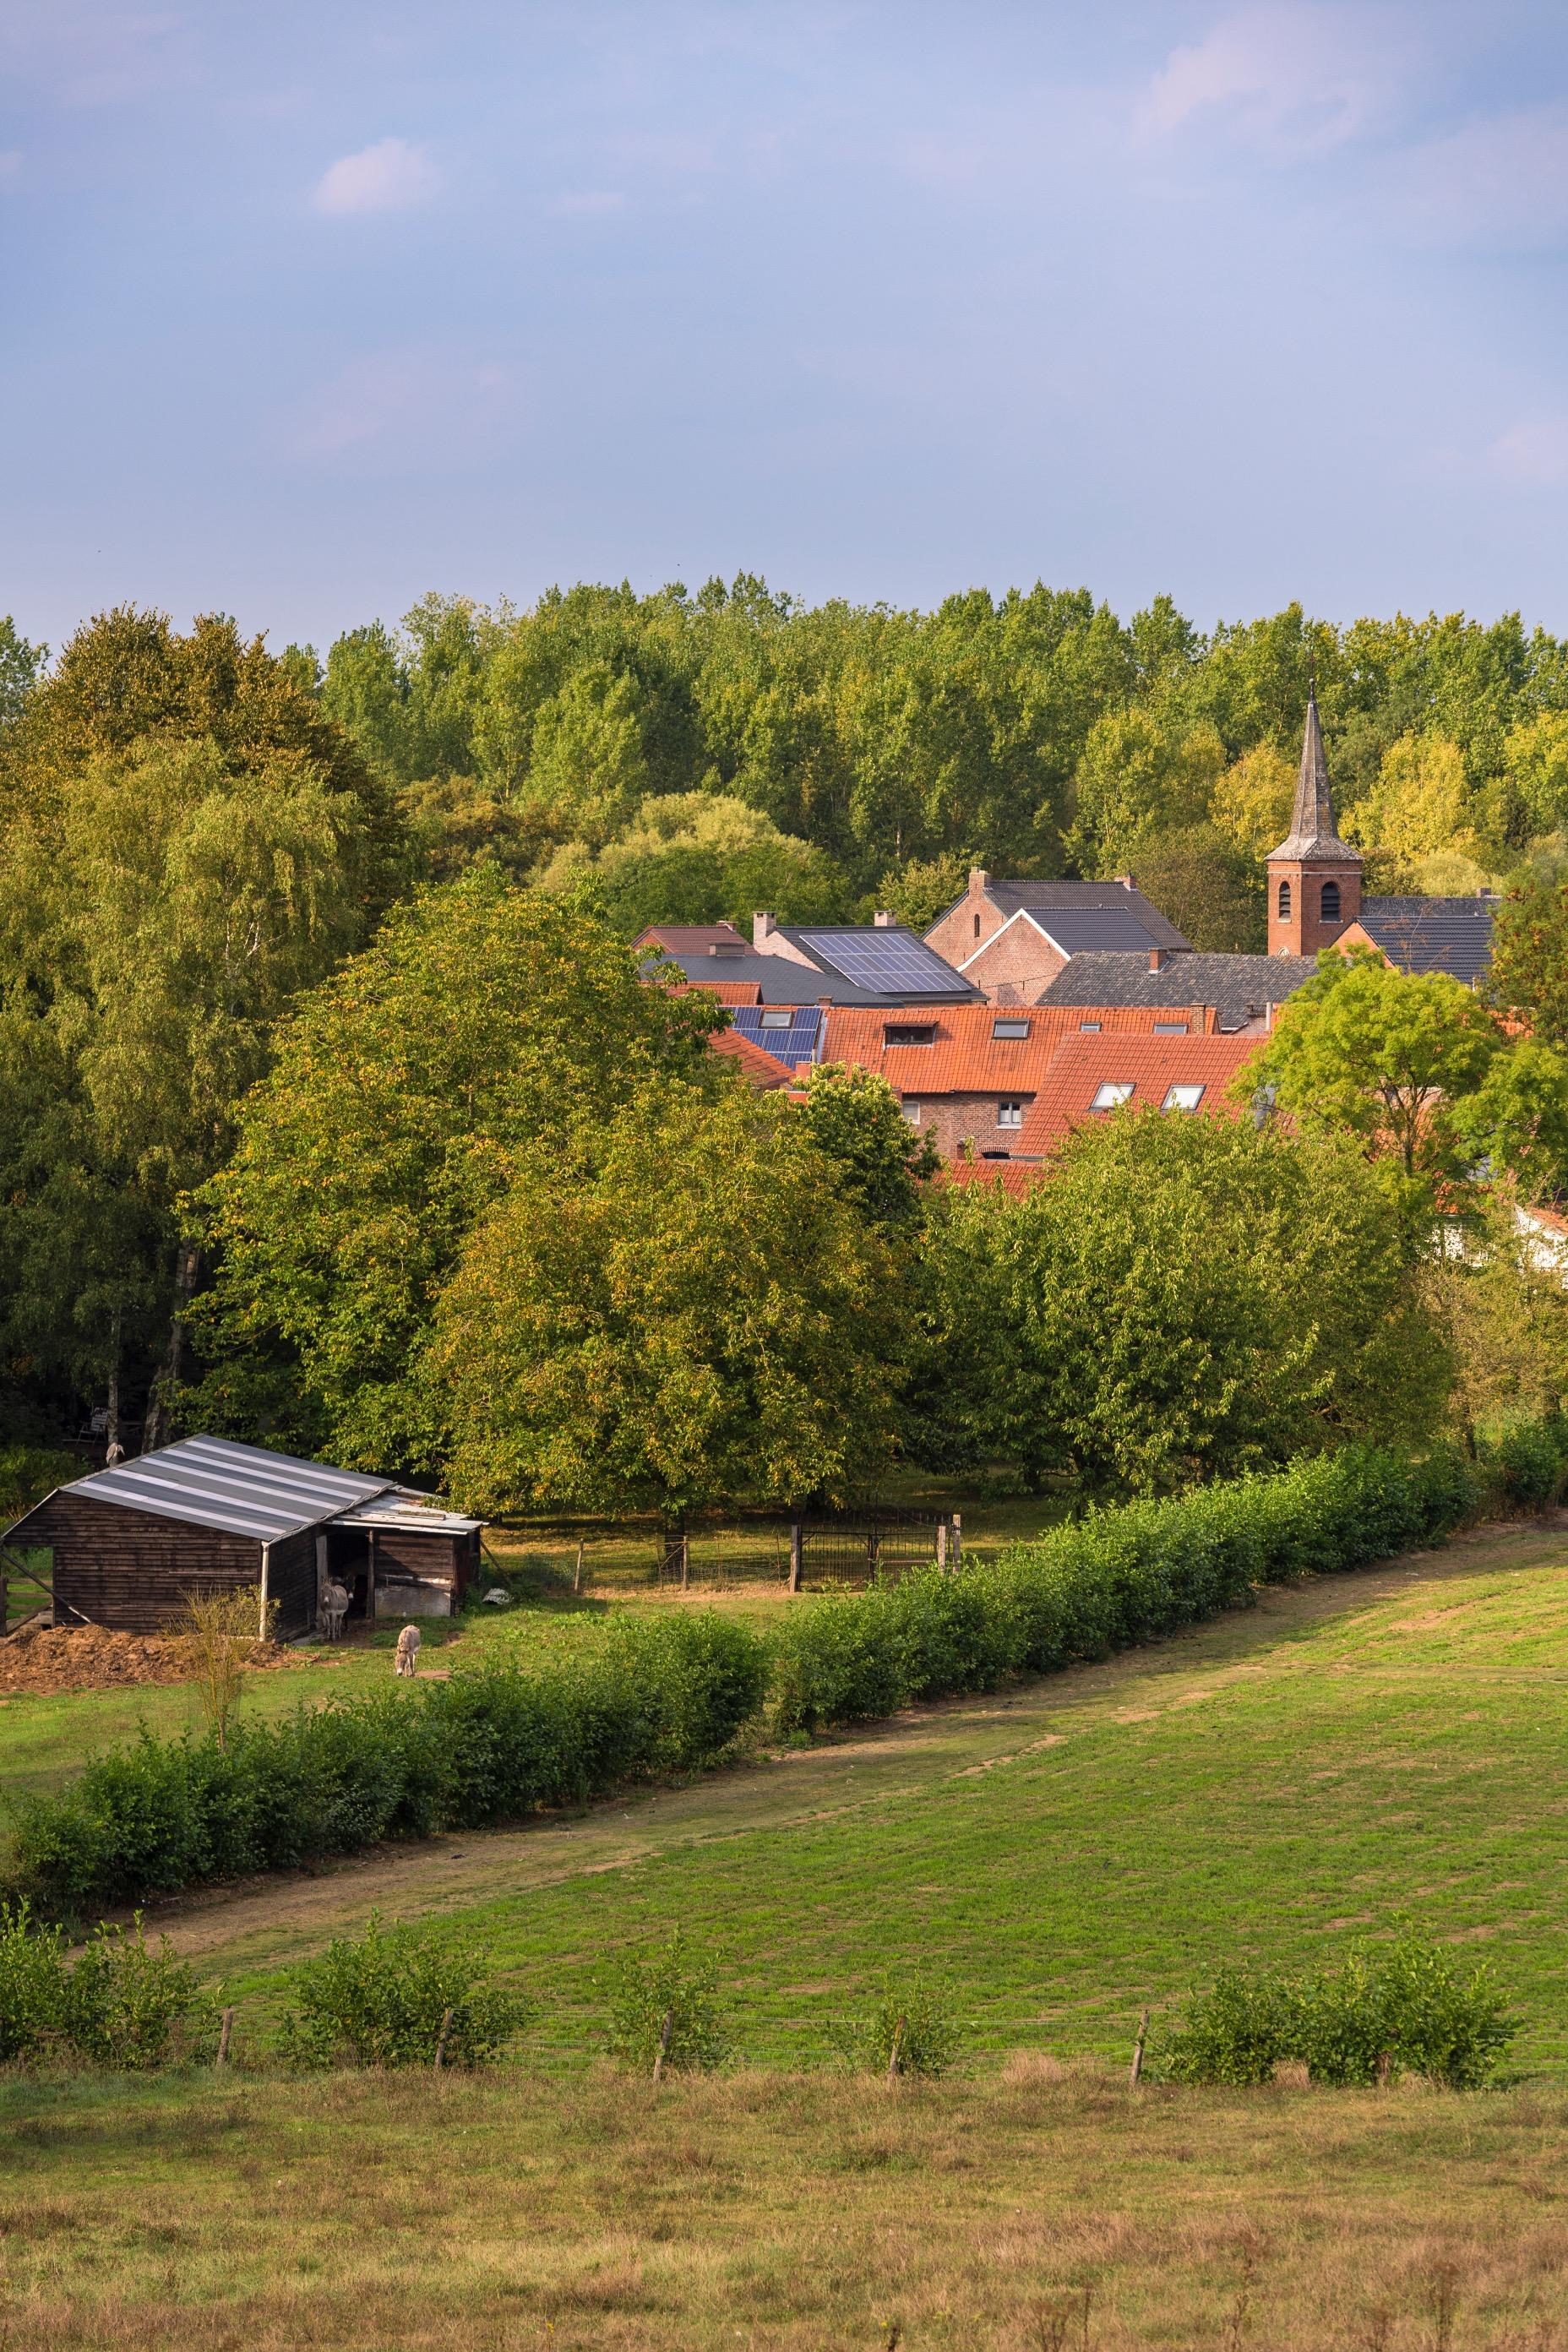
129,1543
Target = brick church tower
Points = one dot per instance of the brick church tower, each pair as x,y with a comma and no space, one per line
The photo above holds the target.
1314,878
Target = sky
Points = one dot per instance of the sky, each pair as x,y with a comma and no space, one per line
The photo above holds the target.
306,311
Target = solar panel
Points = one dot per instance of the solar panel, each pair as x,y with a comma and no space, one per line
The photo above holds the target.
891,962
800,1040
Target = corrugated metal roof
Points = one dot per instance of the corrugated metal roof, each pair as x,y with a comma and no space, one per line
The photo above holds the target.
402,1508
244,1490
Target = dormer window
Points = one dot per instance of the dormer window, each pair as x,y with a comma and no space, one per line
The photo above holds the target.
910,1033
1330,902
1284,902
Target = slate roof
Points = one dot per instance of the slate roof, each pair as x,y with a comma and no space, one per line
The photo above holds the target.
781,979
1088,904
1241,988
1451,935
1151,1065
245,1490
1313,837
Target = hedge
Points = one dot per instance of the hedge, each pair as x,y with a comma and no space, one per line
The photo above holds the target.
1104,1582
488,1746
640,1696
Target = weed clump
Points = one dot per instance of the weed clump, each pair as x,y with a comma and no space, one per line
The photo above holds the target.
124,2005
400,1995
1390,2010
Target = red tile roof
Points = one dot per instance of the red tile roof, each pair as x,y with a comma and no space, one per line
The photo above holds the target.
1152,1066
964,1057
764,1070
690,939
724,991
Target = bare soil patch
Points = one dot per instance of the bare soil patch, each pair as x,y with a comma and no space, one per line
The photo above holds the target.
43,1659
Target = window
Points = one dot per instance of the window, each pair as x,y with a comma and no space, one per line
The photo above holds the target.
780,1020
1170,1028
977,927
1284,902
1009,1114
1095,1026
1183,1097
910,1034
1111,1093
1009,1028
1330,902
912,1111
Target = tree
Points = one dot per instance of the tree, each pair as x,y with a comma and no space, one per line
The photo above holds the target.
1250,804
1419,805
21,665
1139,776
1528,975
700,857
924,888
1187,1299
1497,1291
1212,892
188,841
857,1121
484,1023
1383,1055
684,1309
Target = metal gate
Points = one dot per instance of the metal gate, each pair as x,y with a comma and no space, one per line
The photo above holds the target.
870,1547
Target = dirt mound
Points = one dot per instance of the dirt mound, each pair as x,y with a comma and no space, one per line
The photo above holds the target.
91,1657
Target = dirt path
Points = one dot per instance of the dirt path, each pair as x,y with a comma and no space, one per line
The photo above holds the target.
286,1917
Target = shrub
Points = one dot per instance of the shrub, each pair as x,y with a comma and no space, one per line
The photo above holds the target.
1391,2009
28,1473
381,2002
668,1999
1115,1578
912,2024
1526,1463
32,1984
134,2008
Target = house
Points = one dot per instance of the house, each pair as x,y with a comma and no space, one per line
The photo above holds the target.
808,964
1012,939
207,1514
968,1075
1236,993
1090,1076
761,1070
1315,894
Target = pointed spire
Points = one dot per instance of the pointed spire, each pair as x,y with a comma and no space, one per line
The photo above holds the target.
1313,833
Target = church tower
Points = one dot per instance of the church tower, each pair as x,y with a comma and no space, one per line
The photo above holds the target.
1314,878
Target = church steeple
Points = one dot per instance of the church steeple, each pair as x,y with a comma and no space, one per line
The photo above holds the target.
1314,878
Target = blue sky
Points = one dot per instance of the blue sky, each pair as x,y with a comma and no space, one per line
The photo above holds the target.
308,309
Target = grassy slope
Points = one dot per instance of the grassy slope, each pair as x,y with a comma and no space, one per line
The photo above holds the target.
1350,1750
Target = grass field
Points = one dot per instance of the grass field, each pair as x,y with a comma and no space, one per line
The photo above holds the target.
1353,1750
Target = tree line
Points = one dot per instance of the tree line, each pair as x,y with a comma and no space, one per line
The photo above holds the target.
338,1113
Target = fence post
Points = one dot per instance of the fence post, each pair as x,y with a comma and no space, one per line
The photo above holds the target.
1135,2071
441,2041
958,1539
794,1552
941,1543
685,1560
577,1571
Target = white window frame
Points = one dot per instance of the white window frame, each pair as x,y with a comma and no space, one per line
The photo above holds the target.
1111,1093
776,1017
1196,1088
1010,1113
1010,1025
912,1111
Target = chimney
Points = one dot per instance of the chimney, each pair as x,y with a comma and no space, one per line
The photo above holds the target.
884,919
978,880
1157,958
1127,881
763,926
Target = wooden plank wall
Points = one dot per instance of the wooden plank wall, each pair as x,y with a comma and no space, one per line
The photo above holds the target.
131,1570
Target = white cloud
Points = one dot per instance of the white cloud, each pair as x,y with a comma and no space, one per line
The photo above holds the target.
389,177
1293,78
588,204
1536,453
420,408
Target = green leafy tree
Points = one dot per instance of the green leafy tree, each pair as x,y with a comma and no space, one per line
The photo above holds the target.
1384,1056
925,887
1209,890
485,1023
682,1308
857,1121
1192,1298
1529,974
21,665
1138,775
